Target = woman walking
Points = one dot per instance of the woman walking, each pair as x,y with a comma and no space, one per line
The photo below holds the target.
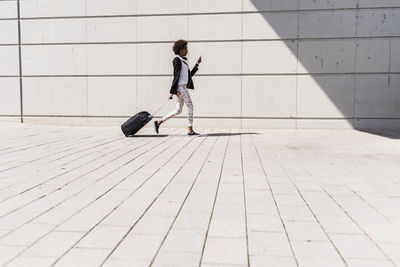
181,83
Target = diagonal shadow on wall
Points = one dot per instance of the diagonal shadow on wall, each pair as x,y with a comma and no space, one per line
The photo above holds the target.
343,72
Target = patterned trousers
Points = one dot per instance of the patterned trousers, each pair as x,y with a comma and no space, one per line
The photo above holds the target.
183,97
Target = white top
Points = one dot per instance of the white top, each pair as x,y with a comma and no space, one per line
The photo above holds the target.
184,76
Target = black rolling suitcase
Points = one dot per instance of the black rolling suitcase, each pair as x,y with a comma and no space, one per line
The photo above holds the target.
138,121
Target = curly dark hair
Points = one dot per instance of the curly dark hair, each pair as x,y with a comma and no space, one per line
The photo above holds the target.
179,45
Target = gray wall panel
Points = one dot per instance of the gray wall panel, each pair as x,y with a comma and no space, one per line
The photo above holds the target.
9,60
111,96
271,96
10,98
53,31
9,31
107,7
52,8
117,29
327,4
377,96
379,22
327,24
218,58
327,56
380,3
111,59
8,9
55,96
219,29
54,60
262,5
329,96
270,57
395,55
158,7
154,59
159,28
196,6
217,96
373,55
280,25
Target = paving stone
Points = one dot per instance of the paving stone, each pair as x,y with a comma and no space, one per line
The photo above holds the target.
368,263
184,240
305,231
53,244
228,227
357,246
26,235
103,236
225,251
138,247
382,233
284,189
262,261
83,257
316,253
8,253
269,243
127,263
25,261
3,233
192,220
339,225
289,200
264,223
167,209
222,265
55,216
122,217
16,219
151,224
296,213
177,259
392,250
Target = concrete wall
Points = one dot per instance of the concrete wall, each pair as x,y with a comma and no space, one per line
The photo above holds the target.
268,64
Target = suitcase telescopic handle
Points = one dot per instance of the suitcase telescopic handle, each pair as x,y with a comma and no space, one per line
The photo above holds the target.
160,107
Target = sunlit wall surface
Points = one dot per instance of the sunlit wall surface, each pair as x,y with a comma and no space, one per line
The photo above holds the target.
266,63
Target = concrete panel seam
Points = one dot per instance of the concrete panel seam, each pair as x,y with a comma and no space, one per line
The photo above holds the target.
200,75
15,115
297,57
212,13
241,68
87,65
212,117
355,66
136,56
212,41
20,63
8,19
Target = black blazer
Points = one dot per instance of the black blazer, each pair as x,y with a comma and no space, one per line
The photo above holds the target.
177,62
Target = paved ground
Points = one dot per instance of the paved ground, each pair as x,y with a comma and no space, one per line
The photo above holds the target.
89,197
